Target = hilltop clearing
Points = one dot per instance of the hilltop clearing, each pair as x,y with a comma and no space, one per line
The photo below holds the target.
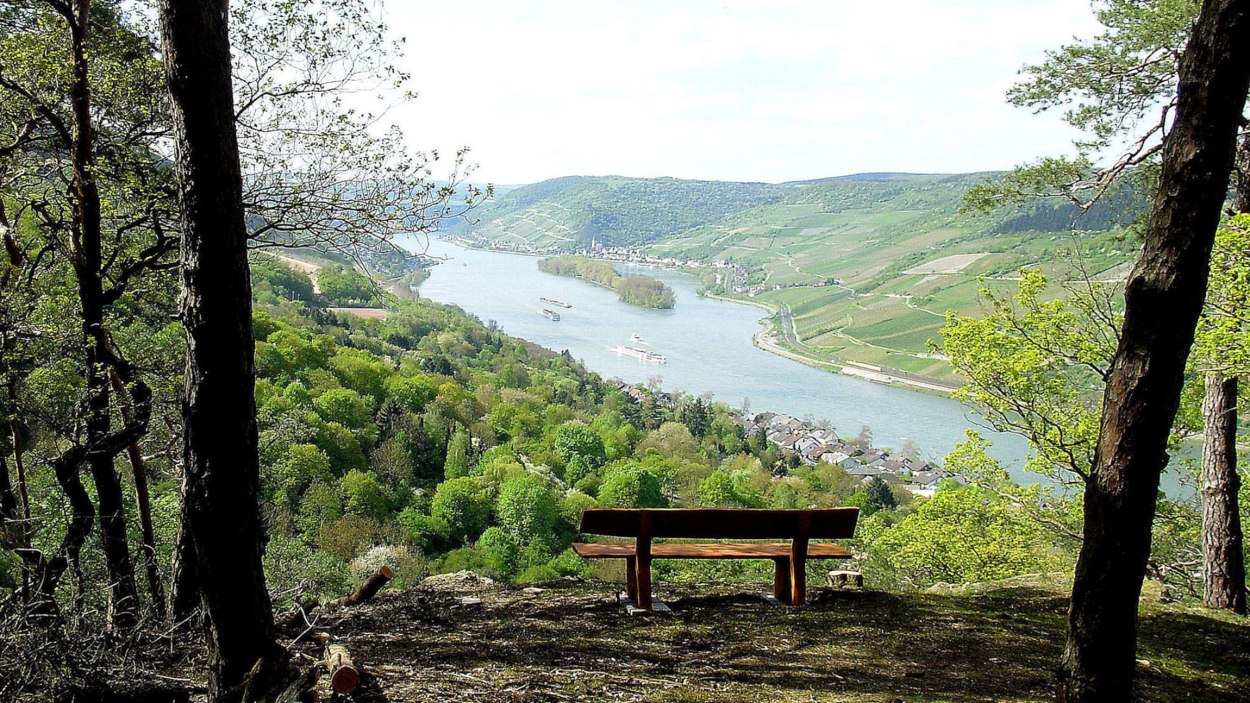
460,637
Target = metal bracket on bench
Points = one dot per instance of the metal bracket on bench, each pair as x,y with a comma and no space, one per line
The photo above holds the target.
631,608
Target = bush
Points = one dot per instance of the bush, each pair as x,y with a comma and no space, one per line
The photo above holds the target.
349,536
319,506
457,462
499,554
464,505
572,506
409,567
527,510
538,574
295,571
365,496
631,487
577,468
960,535
427,533
577,440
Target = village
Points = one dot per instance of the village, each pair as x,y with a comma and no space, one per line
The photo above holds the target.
814,444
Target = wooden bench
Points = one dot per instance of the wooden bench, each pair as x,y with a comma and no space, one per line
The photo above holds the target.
789,558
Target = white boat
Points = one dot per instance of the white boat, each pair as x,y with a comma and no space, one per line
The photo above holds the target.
645,355
551,315
557,303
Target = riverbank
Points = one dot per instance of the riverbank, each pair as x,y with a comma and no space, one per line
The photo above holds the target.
709,346
764,340
768,342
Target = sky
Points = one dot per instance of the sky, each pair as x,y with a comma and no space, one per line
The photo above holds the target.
760,90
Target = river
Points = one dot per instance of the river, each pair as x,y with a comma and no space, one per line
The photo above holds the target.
709,347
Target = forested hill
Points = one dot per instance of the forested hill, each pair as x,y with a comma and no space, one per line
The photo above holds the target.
569,213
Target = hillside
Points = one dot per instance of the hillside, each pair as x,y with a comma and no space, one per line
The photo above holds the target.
568,213
860,268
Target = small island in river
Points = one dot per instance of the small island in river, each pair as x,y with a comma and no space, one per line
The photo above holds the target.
643,291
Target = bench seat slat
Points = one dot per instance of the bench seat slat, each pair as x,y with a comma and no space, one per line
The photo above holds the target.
709,551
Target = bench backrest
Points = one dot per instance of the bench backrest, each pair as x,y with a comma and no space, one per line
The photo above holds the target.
721,523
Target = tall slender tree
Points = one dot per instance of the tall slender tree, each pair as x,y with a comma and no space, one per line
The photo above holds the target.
1223,555
220,491
1164,295
1119,89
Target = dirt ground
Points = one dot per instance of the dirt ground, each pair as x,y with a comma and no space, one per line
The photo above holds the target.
460,638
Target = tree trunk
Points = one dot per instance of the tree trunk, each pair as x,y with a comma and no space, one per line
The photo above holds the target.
1223,562
88,264
1241,194
142,499
1163,299
221,478
185,597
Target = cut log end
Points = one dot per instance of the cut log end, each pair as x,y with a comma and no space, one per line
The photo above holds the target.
371,586
344,680
344,676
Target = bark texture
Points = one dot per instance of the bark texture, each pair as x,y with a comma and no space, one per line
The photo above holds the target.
221,517
1223,562
1163,299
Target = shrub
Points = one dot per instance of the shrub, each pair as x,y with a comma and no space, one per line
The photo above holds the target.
577,440
319,506
457,462
429,534
500,556
305,464
464,505
631,487
961,534
350,535
527,510
408,566
294,571
572,506
364,495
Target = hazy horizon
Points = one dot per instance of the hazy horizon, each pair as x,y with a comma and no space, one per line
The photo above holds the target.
741,91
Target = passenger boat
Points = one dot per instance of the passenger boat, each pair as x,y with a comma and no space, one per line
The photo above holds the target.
643,354
557,303
551,315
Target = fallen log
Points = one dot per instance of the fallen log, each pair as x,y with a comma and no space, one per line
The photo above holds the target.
302,615
338,661
301,690
370,587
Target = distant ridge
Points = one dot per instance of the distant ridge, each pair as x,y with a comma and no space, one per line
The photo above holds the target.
876,176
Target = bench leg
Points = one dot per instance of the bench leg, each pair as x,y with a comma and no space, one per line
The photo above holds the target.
631,579
798,572
781,580
642,582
